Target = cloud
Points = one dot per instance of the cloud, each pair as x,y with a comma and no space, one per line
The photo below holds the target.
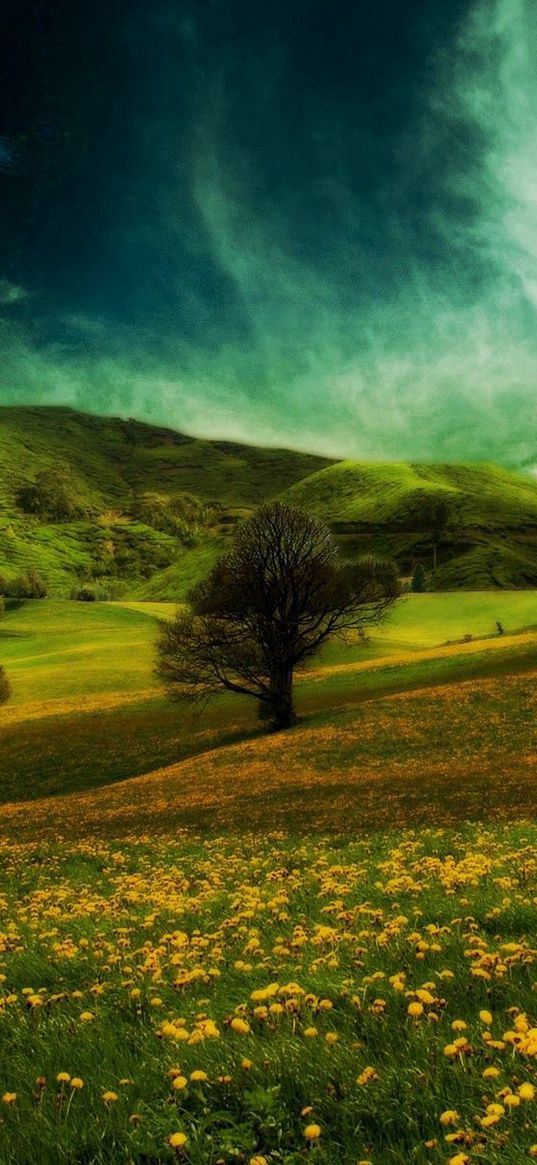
401,330
11,294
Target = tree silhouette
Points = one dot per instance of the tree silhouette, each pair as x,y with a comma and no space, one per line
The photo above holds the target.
267,607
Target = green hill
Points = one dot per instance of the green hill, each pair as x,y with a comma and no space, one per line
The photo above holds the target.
150,509
154,506
488,534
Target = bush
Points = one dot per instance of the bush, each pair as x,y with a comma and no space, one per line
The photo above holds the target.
28,585
419,579
84,595
52,496
5,686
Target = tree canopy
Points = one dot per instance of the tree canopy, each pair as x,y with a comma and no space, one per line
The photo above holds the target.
267,607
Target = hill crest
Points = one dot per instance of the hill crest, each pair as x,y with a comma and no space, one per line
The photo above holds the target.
155,506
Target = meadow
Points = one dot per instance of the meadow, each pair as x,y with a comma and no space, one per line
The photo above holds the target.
218,945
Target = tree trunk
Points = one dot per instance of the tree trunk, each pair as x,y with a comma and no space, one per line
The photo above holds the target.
282,707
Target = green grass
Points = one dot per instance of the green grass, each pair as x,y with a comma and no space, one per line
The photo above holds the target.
83,673
126,948
490,541
379,855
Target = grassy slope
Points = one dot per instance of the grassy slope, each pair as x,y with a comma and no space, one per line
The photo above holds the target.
122,936
491,533
111,459
83,673
490,540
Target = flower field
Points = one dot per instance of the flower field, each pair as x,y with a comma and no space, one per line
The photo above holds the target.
270,999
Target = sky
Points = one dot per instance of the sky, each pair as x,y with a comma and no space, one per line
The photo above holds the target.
300,224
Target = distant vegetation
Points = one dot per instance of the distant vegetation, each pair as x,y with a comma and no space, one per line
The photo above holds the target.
143,512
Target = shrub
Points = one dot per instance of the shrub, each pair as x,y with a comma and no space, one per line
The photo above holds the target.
28,585
84,595
5,686
419,579
52,496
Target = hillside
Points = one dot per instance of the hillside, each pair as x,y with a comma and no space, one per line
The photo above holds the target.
137,487
488,536
153,508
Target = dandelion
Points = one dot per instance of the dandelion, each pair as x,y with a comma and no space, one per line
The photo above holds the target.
526,1091
415,1009
177,1140
486,1017
179,1083
367,1076
312,1132
240,1026
9,1097
110,1097
77,1082
86,1016
449,1117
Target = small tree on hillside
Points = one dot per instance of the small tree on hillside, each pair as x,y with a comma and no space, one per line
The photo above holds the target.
267,607
52,495
5,686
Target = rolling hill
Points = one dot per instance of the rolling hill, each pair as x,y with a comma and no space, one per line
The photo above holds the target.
153,508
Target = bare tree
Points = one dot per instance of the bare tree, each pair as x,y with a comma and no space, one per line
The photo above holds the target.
267,607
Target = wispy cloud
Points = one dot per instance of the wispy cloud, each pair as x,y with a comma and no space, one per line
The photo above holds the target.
425,348
11,294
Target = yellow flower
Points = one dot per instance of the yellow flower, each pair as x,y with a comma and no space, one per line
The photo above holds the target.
491,1073
179,1082
77,1082
331,1037
487,1121
63,1078
527,1091
415,1010
246,1064
9,1097
258,1160
241,1026
459,1159
458,1025
450,1050
110,1097
511,1100
177,1140
310,1032
86,1016
198,1076
485,1017
533,1151
449,1117
312,1132
367,1075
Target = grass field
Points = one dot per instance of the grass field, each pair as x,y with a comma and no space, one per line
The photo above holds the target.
123,474
219,946
81,671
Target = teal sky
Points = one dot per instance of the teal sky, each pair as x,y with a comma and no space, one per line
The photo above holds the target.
304,225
